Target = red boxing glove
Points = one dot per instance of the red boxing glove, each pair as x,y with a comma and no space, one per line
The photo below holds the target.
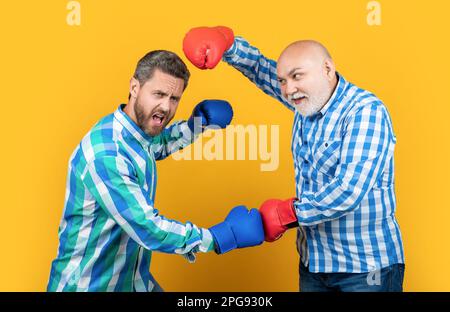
228,34
204,46
277,216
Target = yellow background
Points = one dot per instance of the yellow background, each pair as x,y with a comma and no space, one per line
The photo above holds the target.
58,80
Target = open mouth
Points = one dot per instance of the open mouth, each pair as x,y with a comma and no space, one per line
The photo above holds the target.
297,100
158,119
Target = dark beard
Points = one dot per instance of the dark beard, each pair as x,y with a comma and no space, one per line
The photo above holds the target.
142,120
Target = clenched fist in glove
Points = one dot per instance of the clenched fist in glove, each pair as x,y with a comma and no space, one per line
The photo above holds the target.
241,228
277,216
210,112
204,46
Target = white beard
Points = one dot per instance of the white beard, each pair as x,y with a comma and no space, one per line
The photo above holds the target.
308,109
312,104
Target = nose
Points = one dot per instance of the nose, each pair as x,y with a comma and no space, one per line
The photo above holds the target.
290,87
165,104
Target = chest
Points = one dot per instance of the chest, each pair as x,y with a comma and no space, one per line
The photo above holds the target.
317,144
144,165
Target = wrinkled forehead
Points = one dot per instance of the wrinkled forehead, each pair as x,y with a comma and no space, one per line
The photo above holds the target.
290,61
166,83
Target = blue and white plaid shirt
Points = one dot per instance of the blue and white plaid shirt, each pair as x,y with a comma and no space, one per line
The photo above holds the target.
344,171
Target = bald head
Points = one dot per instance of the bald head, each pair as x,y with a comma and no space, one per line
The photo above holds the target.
308,52
306,70
310,48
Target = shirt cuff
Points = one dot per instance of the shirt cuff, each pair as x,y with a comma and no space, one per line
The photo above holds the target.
207,243
228,54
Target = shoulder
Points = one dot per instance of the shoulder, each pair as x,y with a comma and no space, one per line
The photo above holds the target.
103,139
363,104
101,144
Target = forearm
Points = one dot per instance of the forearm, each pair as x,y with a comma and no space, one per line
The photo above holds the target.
116,190
172,139
173,237
333,202
142,222
256,67
367,147
153,231
208,113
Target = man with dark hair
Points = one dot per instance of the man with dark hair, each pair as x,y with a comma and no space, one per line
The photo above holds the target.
110,225
164,60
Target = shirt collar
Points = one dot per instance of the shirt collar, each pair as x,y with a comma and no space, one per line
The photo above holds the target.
132,127
336,96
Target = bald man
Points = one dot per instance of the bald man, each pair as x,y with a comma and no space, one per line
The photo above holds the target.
343,148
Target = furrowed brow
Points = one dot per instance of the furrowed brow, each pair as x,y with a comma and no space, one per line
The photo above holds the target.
294,70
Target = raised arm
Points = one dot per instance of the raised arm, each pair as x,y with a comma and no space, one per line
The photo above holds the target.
216,113
206,46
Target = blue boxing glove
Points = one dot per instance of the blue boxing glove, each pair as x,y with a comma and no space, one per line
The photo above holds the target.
210,112
241,228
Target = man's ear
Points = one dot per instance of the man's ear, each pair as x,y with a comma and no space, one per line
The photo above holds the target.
134,87
330,70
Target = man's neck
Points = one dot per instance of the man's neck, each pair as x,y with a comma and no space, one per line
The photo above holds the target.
130,112
334,84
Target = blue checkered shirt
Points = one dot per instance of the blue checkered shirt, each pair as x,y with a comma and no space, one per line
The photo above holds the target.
344,173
